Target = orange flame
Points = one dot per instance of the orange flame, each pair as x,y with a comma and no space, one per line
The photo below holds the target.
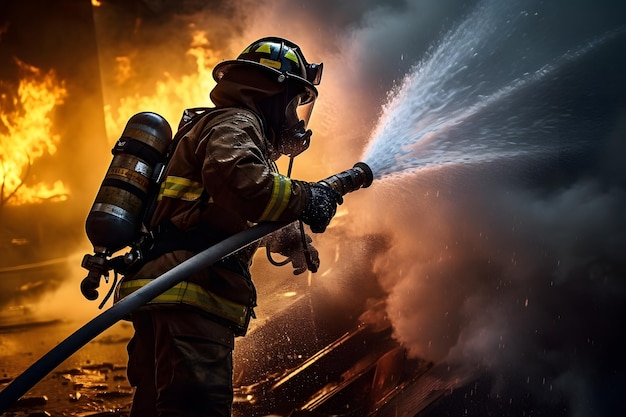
171,95
26,135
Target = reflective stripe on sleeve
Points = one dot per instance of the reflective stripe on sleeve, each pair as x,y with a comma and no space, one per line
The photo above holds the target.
281,192
191,294
183,188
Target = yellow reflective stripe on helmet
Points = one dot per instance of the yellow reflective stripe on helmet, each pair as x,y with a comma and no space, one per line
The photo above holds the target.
290,54
264,48
191,294
281,192
183,188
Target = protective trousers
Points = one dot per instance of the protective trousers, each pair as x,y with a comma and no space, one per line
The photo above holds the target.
180,362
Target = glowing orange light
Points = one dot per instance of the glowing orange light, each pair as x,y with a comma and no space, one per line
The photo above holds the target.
26,135
171,95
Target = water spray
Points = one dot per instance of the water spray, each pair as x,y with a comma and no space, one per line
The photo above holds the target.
359,176
456,107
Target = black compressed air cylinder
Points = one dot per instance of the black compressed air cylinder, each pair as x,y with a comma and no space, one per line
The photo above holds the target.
116,215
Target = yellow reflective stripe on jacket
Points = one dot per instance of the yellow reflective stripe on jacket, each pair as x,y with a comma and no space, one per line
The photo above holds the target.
183,188
191,294
281,192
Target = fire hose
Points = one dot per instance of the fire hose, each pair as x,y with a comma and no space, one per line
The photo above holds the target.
360,176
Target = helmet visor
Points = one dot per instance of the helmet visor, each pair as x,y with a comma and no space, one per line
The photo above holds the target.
294,135
299,109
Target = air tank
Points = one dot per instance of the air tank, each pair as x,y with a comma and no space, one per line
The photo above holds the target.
117,212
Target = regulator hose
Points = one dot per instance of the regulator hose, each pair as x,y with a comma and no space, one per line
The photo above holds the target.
27,379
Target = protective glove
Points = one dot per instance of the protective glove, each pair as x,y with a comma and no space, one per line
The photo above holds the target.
288,242
321,207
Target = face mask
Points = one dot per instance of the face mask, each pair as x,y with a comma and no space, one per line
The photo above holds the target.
294,135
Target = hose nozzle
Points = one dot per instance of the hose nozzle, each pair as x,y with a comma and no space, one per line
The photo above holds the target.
359,176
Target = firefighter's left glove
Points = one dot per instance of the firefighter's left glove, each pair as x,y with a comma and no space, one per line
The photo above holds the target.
321,206
288,242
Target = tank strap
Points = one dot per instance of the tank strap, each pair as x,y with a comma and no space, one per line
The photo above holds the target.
166,237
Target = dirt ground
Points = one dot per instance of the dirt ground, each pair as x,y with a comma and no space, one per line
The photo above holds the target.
92,381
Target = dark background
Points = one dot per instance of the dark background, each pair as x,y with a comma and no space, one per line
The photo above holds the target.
517,265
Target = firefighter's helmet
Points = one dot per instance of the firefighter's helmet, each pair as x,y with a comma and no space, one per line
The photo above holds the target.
279,58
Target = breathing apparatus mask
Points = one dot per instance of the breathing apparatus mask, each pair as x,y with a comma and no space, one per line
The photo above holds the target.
294,136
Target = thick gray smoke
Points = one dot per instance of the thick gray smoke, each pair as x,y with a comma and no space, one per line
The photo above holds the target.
516,265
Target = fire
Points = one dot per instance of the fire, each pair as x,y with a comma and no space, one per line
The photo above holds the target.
171,95
26,134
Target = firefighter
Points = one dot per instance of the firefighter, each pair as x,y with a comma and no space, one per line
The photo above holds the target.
222,178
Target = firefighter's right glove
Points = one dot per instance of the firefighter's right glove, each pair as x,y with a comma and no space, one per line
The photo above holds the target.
321,206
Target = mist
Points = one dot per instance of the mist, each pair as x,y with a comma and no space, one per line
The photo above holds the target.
513,266
516,265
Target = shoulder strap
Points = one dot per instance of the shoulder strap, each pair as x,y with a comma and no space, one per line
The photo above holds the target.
189,119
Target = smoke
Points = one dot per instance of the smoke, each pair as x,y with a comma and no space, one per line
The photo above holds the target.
526,283
516,266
